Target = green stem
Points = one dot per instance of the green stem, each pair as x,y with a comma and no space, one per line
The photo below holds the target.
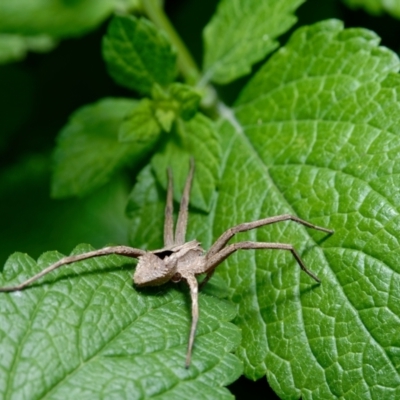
186,63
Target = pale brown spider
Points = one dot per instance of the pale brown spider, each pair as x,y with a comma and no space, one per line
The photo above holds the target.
178,260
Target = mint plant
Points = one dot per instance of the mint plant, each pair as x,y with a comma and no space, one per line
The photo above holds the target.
313,133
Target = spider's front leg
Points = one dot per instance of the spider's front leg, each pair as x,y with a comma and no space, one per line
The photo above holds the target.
119,250
217,259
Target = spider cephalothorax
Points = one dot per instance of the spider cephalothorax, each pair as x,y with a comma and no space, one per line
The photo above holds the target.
179,260
157,267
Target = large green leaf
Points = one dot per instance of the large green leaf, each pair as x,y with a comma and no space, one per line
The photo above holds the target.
88,151
243,32
315,134
89,334
377,7
137,54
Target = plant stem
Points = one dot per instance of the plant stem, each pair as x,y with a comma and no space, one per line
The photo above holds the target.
186,63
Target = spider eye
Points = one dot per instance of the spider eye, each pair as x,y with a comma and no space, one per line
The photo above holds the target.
163,254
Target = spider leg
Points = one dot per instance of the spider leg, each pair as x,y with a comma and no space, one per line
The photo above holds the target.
120,250
194,294
217,259
247,226
169,210
181,224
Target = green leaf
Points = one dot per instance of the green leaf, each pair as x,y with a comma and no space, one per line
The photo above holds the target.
243,32
88,333
88,151
24,196
56,18
315,134
196,138
137,54
140,125
376,7
15,47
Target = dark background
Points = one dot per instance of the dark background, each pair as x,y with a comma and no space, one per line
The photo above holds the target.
37,96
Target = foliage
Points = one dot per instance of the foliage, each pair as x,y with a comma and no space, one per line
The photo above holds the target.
23,23
377,7
314,132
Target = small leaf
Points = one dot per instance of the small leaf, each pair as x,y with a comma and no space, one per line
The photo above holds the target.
58,19
88,151
85,332
178,100
165,118
137,54
376,7
188,99
140,125
196,138
15,47
243,32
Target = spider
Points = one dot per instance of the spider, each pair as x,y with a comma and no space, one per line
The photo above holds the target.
179,260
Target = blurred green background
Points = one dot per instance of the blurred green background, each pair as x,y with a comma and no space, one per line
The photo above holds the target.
37,95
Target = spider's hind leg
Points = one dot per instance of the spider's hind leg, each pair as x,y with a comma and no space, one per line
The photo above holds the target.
213,262
247,226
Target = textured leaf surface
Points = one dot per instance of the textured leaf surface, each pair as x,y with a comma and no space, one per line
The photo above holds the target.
90,334
243,32
88,151
316,134
137,54
377,7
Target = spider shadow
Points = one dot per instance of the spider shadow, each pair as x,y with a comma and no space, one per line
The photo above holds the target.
321,240
154,291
